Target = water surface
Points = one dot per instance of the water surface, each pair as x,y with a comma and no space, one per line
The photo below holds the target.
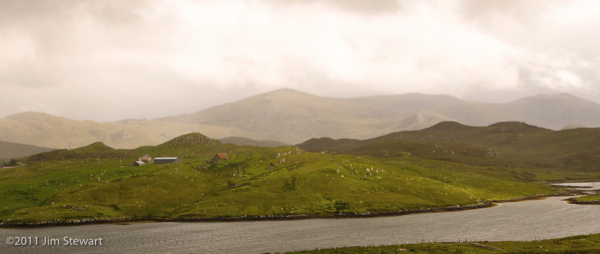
581,186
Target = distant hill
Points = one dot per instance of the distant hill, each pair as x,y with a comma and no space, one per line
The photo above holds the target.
16,151
507,144
289,116
58,132
239,141
548,111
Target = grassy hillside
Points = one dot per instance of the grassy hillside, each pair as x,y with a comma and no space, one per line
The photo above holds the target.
10,150
573,244
87,183
507,144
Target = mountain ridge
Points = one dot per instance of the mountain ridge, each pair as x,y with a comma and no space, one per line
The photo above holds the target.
290,116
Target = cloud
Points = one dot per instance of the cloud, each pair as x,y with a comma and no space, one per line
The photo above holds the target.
374,7
84,59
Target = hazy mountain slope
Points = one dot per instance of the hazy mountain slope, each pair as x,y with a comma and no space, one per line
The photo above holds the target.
422,120
554,111
10,150
548,111
59,132
405,105
291,116
239,141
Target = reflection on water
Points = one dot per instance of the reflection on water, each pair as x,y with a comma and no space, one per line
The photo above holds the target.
581,186
548,218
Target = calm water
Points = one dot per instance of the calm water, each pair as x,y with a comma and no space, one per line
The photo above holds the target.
583,186
529,220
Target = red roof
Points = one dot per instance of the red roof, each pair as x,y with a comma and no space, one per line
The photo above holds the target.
222,155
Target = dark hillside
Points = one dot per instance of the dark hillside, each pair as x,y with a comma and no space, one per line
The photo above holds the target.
10,150
501,144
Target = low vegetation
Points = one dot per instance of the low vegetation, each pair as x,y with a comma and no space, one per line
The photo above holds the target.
589,199
574,244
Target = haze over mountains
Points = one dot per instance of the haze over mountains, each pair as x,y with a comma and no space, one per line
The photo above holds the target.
293,117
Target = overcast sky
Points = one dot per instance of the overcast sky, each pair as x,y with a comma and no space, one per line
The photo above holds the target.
111,60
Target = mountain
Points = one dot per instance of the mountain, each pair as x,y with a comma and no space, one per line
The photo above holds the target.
16,151
239,141
59,132
548,111
291,117
422,120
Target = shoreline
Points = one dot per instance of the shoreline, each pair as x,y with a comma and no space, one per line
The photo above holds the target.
129,220
575,202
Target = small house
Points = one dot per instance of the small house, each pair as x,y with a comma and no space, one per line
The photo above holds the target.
146,158
166,160
219,157
137,163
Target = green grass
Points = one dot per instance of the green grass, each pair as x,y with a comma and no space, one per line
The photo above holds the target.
574,244
87,183
589,198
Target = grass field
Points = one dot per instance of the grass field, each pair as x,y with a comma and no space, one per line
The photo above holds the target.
87,183
574,244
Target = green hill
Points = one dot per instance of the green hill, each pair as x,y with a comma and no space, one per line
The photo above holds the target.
88,184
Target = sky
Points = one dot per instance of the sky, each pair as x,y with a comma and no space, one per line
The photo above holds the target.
112,60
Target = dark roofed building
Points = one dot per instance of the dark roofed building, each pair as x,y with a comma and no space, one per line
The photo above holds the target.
166,160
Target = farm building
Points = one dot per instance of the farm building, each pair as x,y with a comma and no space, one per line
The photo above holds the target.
146,158
166,160
219,157
137,163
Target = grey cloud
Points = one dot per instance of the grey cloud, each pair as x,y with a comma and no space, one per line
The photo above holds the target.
521,10
74,53
373,7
